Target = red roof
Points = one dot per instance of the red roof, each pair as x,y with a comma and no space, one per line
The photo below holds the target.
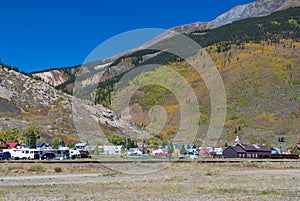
203,151
253,147
243,148
238,149
12,144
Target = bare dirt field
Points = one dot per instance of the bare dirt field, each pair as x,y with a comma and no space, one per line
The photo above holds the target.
177,181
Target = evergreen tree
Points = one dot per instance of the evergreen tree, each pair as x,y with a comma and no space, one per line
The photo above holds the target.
171,148
183,149
55,143
31,133
32,140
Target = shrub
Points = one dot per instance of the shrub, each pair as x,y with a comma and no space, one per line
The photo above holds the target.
57,169
36,168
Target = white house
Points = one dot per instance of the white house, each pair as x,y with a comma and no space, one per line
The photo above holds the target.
109,149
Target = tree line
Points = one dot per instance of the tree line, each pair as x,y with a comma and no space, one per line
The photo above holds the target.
29,136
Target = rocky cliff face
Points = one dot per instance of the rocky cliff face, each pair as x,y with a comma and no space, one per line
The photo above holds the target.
53,77
256,9
57,77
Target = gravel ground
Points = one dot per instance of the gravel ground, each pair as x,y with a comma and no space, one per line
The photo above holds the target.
193,181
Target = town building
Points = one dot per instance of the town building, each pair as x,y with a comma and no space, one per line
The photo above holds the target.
246,151
12,145
3,145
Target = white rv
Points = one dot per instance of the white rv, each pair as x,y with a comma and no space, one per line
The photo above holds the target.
24,154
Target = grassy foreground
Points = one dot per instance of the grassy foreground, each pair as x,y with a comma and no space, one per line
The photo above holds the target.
177,181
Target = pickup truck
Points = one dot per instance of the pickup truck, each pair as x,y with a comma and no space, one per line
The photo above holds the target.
5,156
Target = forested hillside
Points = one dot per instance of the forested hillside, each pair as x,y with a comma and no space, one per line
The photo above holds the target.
258,59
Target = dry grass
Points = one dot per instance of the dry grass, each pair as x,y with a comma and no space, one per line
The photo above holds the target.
24,169
192,181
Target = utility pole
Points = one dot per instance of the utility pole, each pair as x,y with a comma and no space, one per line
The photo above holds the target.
126,147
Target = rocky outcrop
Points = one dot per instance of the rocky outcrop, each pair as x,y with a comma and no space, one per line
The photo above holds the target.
24,92
53,77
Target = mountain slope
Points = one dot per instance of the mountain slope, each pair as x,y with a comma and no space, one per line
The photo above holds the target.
65,77
262,83
273,28
259,65
258,59
24,101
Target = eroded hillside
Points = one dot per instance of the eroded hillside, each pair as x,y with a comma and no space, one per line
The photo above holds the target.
24,101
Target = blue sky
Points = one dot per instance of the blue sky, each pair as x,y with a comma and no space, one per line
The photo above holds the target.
37,35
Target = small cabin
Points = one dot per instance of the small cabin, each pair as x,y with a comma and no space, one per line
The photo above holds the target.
81,146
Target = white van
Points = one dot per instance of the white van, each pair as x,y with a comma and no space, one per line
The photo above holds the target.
74,154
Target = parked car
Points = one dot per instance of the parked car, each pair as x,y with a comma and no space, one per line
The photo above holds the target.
74,154
183,156
84,154
134,152
48,156
37,155
5,156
